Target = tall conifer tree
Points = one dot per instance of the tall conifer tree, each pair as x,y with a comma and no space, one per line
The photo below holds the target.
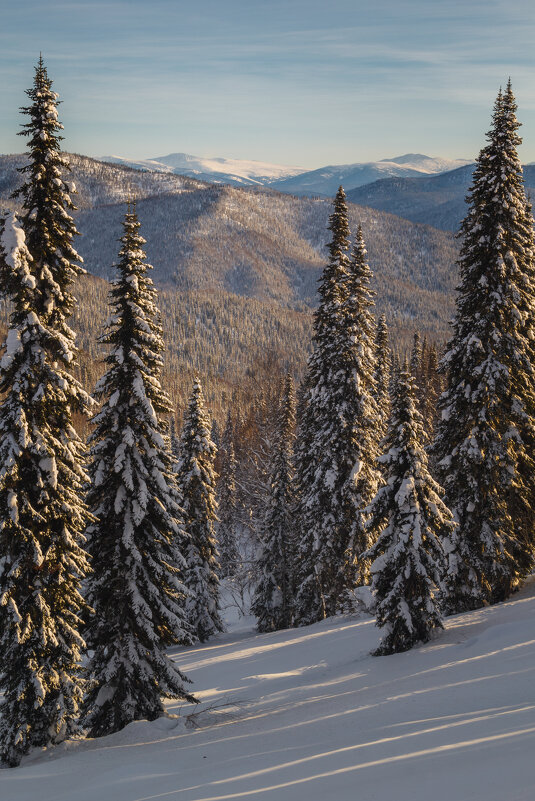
432,388
273,600
196,484
358,338
409,519
321,553
42,516
335,465
523,499
482,442
135,589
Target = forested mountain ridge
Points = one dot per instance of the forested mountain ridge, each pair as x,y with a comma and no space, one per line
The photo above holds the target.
237,269
233,343
255,243
97,183
272,247
326,180
437,200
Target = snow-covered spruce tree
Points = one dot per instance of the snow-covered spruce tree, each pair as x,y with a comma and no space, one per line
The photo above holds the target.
229,557
482,442
305,582
522,505
319,553
273,600
409,518
359,333
254,445
196,484
135,588
337,474
382,371
42,516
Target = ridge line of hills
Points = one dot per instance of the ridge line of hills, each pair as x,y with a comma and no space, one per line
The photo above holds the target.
418,188
237,270
322,181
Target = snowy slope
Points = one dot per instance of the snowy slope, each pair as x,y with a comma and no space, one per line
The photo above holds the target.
238,172
308,714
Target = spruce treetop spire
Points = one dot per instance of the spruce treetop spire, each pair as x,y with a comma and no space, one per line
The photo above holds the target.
339,226
46,200
332,287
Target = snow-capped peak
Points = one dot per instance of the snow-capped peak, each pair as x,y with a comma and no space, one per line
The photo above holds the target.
215,169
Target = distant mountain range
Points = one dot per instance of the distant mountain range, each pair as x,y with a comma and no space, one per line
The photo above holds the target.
326,180
419,188
322,182
253,243
237,270
236,172
437,200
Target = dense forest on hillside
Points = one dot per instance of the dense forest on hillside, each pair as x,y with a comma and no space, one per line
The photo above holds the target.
237,271
255,243
221,337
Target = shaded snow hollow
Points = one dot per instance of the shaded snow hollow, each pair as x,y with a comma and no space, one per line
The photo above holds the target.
308,714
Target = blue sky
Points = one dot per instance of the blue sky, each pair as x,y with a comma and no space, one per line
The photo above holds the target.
298,82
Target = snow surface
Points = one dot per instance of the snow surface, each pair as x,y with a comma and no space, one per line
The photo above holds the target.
308,714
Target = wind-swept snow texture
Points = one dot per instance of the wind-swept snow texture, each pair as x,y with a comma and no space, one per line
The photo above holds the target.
312,716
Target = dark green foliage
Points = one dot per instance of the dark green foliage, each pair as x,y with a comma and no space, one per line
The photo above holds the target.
227,527
381,375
